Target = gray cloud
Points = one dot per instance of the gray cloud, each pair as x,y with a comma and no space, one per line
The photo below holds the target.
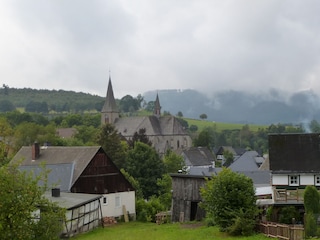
205,45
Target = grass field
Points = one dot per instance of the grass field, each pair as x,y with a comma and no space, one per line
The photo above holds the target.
220,126
138,231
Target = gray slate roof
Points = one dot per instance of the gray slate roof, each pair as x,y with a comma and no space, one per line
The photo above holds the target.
259,178
72,200
66,163
249,161
198,156
110,102
166,125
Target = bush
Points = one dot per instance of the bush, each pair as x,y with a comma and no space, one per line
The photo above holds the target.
229,198
287,214
147,210
310,225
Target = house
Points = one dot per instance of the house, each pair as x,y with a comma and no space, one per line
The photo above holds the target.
294,164
236,152
248,161
82,170
66,132
200,157
165,132
83,211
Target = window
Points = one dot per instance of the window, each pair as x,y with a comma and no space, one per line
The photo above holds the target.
317,180
105,200
294,180
117,201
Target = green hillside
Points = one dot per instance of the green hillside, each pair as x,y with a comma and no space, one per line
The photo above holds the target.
56,100
220,126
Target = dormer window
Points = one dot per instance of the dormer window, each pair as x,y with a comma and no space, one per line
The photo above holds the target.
294,180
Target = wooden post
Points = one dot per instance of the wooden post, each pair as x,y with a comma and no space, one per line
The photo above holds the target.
181,217
125,214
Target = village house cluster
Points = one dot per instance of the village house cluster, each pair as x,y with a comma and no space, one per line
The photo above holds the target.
88,184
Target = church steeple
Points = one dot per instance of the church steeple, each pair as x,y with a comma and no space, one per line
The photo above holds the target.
109,112
157,107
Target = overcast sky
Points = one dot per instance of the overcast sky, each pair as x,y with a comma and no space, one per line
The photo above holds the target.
206,45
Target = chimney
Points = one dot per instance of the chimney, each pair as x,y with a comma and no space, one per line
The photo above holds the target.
55,192
35,151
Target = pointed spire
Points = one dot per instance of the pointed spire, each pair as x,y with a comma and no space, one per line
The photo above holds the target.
157,107
109,110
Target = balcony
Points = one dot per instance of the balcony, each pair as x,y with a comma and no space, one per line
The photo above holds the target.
288,196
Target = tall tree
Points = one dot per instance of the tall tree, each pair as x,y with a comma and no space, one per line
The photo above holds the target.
6,133
145,165
205,138
140,137
203,116
6,106
229,199
173,162
109,139
311,199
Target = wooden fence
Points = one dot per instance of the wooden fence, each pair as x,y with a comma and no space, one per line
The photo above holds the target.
282,231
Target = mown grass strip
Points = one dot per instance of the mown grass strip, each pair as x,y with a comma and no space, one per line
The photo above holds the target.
176,231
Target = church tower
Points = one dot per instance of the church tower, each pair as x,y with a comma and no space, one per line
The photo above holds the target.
157,107
109,112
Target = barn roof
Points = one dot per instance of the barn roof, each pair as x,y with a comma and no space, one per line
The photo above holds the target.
66,163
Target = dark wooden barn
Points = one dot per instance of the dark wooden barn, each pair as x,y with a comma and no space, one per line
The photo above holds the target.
186,197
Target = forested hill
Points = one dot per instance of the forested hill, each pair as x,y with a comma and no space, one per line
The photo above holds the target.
53,100
230,106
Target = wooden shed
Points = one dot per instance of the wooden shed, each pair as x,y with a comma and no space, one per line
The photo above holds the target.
186,197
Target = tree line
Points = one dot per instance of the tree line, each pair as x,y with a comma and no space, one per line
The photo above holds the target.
137,159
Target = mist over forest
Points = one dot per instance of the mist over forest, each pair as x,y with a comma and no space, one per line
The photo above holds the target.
240,107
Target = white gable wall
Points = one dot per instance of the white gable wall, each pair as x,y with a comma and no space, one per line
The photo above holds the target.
280,179
304,179
307,179
112,204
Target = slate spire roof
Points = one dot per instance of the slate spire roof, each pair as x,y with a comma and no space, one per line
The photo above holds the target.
110,102
157,107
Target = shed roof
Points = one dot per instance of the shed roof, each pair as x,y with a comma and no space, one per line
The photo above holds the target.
72,200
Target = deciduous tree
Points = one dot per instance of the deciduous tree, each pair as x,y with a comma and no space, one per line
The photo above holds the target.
229,199
25,213
109,139
145,165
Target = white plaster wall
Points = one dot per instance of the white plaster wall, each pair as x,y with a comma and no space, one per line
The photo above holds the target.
110,209
307,179
280,179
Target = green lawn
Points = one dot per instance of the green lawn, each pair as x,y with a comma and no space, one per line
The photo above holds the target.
138,231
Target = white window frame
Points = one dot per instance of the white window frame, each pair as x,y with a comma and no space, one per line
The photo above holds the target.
294,180
317,180
105,200
117,201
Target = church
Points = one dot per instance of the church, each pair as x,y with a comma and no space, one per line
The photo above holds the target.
165,132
